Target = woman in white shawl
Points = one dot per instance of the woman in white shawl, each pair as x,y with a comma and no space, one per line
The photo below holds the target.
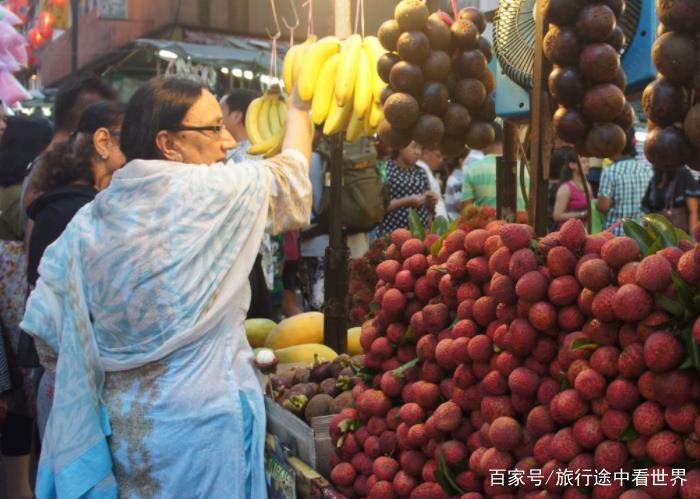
140,305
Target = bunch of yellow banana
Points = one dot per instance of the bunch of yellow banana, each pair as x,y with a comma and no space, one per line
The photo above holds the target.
340,80
264,123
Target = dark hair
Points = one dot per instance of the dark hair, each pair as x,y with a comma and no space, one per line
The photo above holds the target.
160,104
239,100
559,163
71,160
498,129
630,145
24,139
74,95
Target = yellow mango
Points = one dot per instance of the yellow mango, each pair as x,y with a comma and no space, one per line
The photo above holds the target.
297,330
305,353
257,330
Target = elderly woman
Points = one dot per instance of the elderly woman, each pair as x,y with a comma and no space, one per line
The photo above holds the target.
143,299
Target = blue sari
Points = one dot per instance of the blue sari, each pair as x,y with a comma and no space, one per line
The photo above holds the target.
142,302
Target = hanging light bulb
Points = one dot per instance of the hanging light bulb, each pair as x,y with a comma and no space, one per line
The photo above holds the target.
45,22
36,39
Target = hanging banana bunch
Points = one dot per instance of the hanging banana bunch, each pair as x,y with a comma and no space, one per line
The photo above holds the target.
264,123
340,80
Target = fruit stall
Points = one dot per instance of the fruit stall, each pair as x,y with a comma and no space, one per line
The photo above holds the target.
495,360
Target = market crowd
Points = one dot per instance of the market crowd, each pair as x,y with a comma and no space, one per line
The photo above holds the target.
127,269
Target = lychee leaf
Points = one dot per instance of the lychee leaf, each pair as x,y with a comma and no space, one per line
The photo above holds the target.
437,246
564,381
408,335
656,247
453,225
671,306
401,370
629,434
440,226
635,231
347,425
341,441
682,235
641,463
683,292
583,344
415,225
367,374
444,470
692,348
664,228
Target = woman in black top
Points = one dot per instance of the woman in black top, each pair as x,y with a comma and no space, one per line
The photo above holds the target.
71,175
674,194
408,188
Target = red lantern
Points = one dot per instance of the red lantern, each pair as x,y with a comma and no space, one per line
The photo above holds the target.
58,3
44,23
35,38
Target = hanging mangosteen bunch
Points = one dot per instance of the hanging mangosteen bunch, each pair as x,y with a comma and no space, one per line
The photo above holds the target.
440,87
670,102
584,42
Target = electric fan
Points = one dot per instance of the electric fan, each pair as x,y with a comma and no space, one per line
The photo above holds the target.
514,45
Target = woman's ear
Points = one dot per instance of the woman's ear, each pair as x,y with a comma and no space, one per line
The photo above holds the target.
168,147
101,141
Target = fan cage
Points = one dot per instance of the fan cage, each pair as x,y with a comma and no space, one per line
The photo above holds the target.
514,36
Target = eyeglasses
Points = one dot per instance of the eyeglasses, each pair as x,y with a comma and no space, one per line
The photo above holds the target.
218,129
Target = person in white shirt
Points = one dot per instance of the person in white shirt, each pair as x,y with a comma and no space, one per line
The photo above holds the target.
431,161
234,106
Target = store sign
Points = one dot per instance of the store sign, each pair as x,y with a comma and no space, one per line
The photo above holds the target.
112,9
206,75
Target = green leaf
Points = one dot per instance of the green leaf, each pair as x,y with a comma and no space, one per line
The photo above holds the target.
564,381
408,335
692,348
683,292
583,344
341,440
637,232
437,246
442,481
664,228
440,226
629,434
671,306
415,225
447,475
656,247
683,235
347,425
367,374
401,370
454,225
641,463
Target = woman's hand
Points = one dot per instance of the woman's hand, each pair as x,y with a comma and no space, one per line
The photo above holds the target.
417,200
431,198
298,133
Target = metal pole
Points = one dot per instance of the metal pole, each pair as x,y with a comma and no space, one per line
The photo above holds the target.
75,16
335,306
541,139
335,309
507,179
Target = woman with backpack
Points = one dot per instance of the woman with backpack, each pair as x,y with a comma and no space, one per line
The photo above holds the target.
408,188
674,194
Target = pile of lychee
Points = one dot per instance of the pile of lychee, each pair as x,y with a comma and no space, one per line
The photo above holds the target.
671,101
584,41
500,352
